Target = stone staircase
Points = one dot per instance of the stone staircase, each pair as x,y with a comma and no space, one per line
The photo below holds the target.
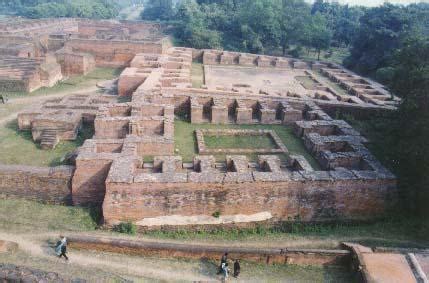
49,139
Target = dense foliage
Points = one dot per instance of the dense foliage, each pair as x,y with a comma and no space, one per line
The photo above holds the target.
381,32
259,26
392,46
95,9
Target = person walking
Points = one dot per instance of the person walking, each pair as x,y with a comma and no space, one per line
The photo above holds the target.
236,268
61,248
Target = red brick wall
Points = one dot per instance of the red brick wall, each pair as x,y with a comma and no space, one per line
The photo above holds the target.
47,184
88,186
306,200
113,53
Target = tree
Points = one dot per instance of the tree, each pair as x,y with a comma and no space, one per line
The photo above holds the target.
98,9
411,83
342,19
158,10
192,28
294,17
259,20
381,32
318,35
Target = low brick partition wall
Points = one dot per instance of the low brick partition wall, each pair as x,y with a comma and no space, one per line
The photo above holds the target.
171,250
46,184
203,149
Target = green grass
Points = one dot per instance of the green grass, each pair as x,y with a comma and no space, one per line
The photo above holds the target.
73,83
35,216
18,147
186,145
389,232
197,73
248,142
255,272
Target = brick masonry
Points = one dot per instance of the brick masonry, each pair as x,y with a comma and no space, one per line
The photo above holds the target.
111,170
50,185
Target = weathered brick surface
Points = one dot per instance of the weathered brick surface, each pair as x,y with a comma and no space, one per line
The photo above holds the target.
292,199
111,170
89,181
110,53
167,250
48,184
73,63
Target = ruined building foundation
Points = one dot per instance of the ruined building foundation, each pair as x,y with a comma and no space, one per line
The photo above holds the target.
111,170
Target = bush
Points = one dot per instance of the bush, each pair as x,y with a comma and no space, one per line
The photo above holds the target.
216,214
126,228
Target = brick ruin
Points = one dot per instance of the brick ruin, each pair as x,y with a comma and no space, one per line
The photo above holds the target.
112,169
39,53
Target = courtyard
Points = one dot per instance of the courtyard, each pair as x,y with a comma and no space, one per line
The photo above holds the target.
186,142
254,79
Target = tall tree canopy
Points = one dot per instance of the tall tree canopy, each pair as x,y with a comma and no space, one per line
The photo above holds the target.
158,10
96,9
381,32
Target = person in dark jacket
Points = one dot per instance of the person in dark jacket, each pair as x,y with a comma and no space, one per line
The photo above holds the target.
64,251
61,248
237,268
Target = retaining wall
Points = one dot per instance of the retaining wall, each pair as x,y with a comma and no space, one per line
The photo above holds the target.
47,184
307,200
170,250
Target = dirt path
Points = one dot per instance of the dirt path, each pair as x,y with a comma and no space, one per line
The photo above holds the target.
35,99
36,246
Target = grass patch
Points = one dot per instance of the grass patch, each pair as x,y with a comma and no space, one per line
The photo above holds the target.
186,144
389,232
252,142
73,83
197,73
32,215
18,147
126,228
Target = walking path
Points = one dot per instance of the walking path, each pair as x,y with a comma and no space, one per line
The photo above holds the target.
35,245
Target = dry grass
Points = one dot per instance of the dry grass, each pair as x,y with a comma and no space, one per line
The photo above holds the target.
197,74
